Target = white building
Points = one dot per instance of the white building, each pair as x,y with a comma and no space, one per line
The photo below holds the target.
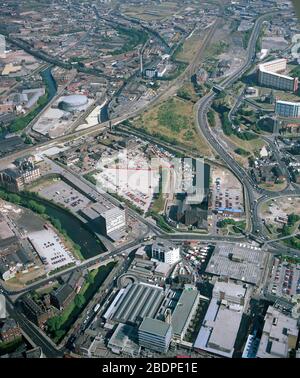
113,222
279,336
230,292
270,74
287,109
166,252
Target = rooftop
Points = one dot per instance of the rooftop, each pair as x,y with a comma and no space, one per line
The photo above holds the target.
183,310
155,327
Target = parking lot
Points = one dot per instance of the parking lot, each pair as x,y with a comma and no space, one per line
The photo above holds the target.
63,194
285,279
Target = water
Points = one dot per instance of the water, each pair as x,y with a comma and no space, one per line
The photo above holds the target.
90,245
50,83
104,117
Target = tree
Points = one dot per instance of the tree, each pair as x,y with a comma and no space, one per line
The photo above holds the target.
79,300
54,323
90,278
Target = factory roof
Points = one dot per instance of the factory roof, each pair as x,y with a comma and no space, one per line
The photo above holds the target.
136,302
155,327
183,310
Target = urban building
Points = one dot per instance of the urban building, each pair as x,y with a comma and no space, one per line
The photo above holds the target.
230,292
280,334
270,74
61,297
287,109
184,311
241,262
134,303
124,341
73,103
23,172
37,313
9,330
155,335
219,330
113,223
164,251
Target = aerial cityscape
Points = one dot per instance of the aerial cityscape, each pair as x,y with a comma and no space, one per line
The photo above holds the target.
149,179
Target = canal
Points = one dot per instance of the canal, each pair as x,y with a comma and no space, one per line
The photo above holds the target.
89,244
49,82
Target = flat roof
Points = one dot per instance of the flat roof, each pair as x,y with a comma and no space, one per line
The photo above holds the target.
225,329
242,262
51,249
183,309
219,330
154,326
230,288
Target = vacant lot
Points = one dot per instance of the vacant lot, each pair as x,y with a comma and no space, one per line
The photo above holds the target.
173,121
149,13
190,47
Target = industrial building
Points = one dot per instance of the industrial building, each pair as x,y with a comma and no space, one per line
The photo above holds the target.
184,311
155,335
134,303
21,173
164,251
270,74
287,109
280,334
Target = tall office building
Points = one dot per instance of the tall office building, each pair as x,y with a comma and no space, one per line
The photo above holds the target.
287,109
270,74
155,335
166,252
113,222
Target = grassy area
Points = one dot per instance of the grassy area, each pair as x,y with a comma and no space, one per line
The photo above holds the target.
190,48
134,38
216,49
149,13
159,203
187,92
252,146
173,121
274,187
59,325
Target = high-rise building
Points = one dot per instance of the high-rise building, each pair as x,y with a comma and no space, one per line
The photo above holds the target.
166,252
287,109
155,335
270,74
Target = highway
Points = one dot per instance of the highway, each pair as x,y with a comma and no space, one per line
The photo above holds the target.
252,191
254,196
